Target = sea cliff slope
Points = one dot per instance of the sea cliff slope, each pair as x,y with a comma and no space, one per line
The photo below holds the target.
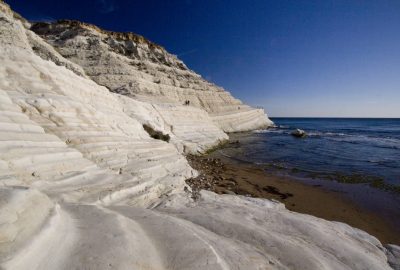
131,65
84,186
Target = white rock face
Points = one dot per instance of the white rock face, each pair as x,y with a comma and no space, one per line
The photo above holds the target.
83,186
173,118
131,65
56,125
191,129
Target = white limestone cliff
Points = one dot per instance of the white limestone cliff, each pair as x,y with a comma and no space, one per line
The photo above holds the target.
83,186
131,65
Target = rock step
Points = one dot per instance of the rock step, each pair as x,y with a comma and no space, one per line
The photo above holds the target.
145,193
9,108
46,170
241,121
32,154
38,160
144,145
9,145
20,137
20,127
163,163
22,119
85,186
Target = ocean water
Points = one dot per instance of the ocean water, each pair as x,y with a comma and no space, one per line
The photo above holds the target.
346,150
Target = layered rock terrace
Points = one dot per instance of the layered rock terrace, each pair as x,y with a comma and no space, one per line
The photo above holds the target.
83,185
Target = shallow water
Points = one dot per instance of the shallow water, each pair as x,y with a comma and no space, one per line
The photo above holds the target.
347,150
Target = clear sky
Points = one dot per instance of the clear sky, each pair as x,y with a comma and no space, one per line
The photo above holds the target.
295,58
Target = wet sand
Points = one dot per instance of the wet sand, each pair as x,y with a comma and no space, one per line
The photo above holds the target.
225,177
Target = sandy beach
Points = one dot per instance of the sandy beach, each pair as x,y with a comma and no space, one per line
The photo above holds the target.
224,176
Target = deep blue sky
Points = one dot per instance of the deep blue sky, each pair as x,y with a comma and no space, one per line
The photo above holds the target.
295,58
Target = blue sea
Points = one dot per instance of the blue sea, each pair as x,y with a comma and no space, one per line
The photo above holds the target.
342,149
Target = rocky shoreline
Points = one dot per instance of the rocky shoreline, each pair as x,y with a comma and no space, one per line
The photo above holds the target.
219,175
214,176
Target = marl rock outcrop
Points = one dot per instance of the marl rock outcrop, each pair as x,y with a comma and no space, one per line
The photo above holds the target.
131,65
84,186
